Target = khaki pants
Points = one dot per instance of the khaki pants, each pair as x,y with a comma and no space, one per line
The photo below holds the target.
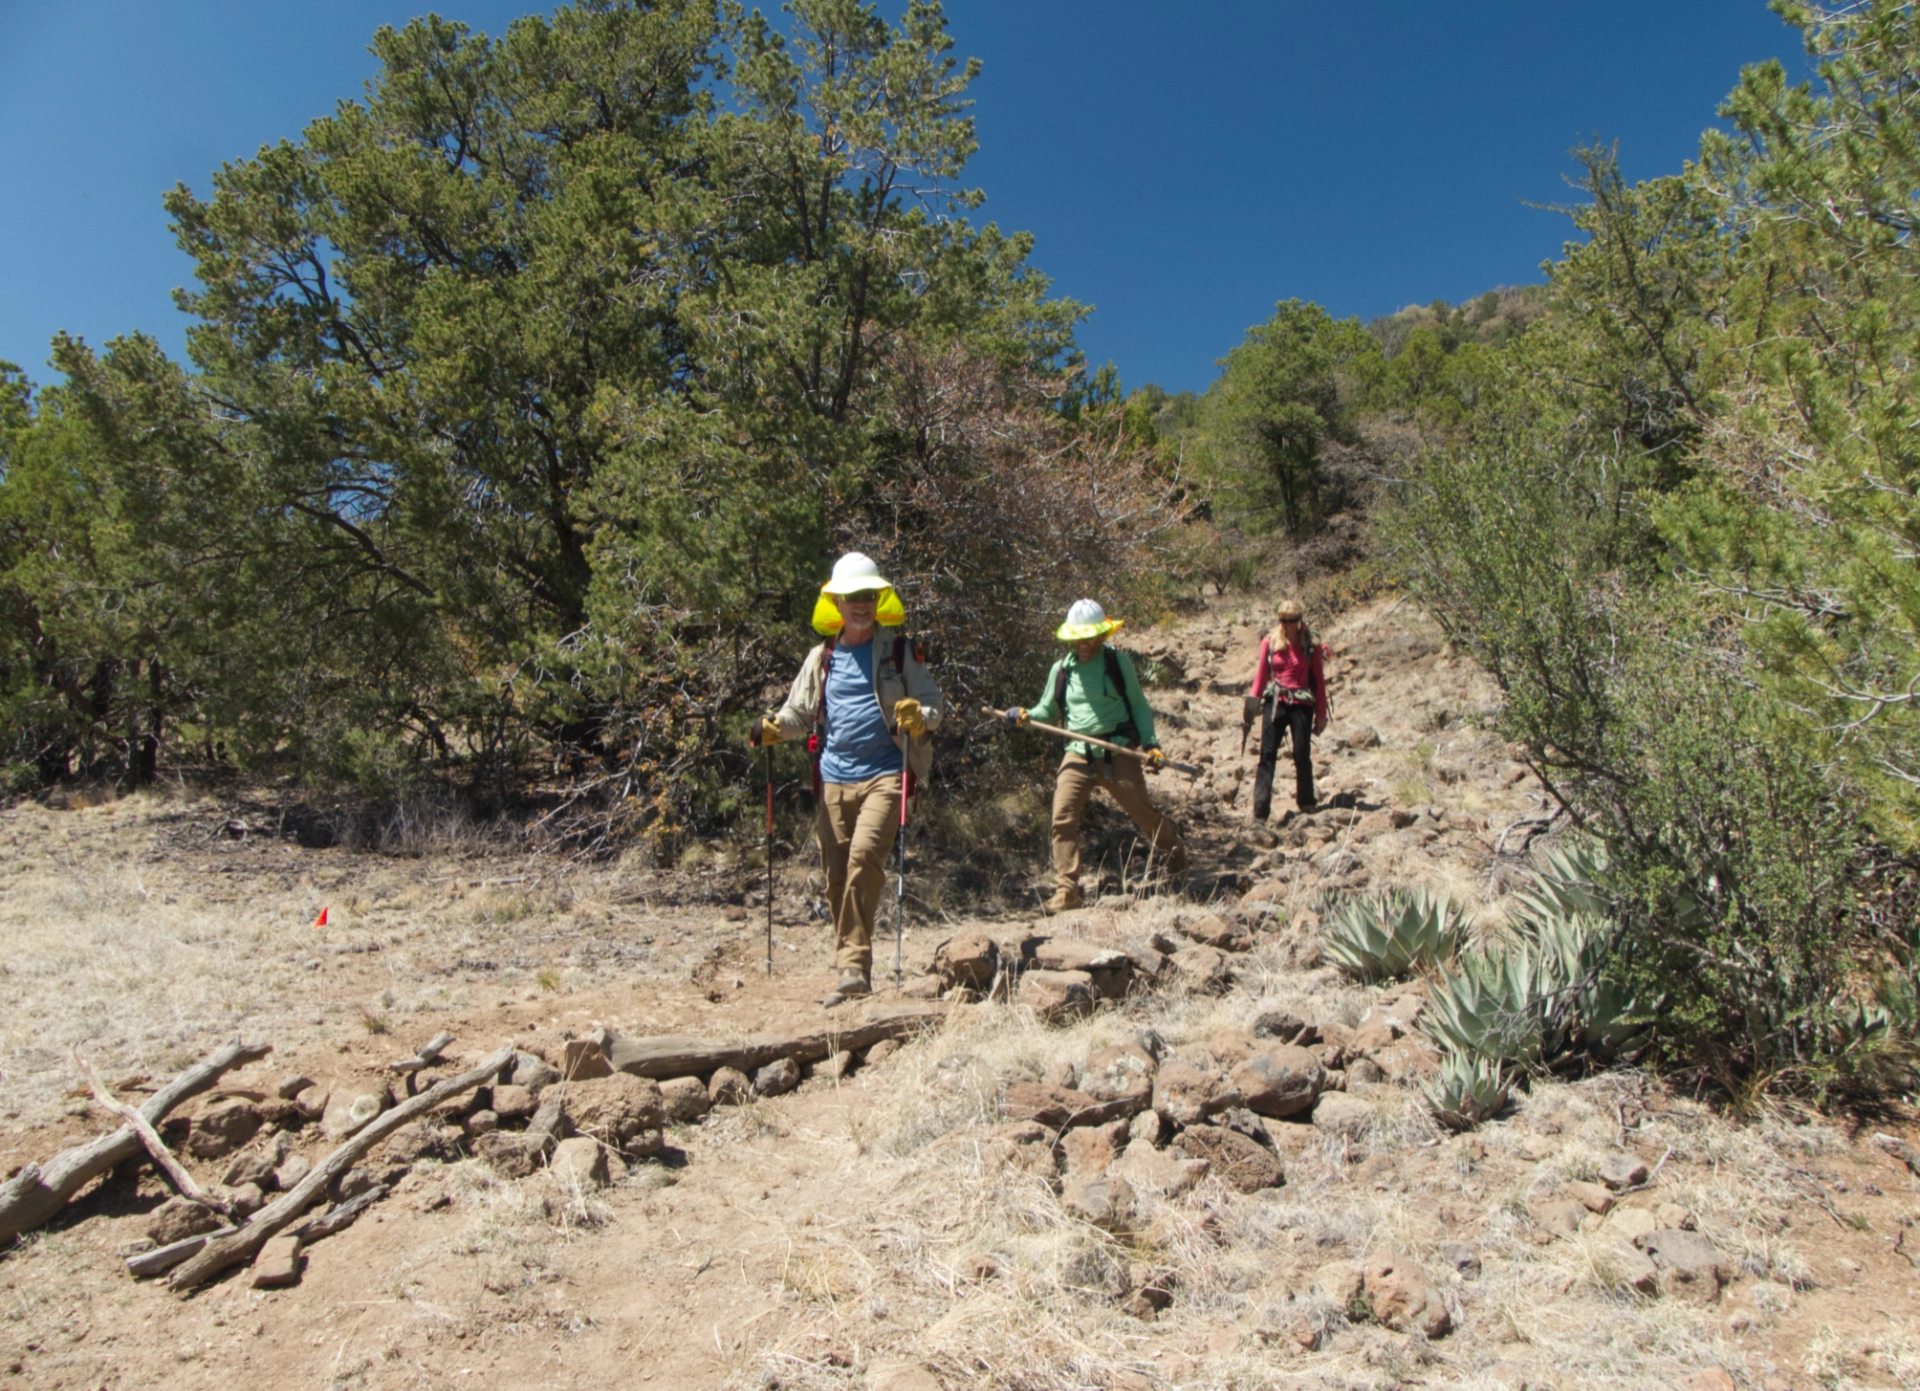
857,822
1127,785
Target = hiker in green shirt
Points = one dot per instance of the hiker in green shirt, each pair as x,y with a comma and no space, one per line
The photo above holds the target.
1094,690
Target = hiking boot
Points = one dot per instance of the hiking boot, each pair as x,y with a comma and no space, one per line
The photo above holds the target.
1063,900
852,983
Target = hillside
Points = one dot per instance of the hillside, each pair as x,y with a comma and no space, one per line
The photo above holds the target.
924,1219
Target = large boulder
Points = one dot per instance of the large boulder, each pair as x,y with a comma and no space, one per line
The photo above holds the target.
1402,1297
624,1111
1283,1080
1244,1164
971,959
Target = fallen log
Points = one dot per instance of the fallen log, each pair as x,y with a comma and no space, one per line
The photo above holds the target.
244,1244
670,1056
156,1148
335,1219
37,1192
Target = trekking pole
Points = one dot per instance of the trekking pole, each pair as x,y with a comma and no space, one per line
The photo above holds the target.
900,878
766,754
1189,769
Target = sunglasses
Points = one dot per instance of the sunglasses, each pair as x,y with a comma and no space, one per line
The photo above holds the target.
865,596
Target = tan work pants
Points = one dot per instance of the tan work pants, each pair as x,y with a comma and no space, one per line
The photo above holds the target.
857,822
1127,785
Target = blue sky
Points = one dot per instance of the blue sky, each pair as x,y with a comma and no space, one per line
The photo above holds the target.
1183,167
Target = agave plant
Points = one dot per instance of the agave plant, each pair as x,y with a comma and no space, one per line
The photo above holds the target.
1466,1091
1383,937
1568,883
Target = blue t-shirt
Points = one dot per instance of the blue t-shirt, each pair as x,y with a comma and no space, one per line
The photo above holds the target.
858,744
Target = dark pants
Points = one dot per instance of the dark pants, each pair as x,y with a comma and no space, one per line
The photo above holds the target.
1280,717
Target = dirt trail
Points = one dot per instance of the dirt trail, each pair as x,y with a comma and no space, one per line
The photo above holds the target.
882,1231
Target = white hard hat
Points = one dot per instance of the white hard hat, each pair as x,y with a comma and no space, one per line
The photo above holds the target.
1086,619
854,573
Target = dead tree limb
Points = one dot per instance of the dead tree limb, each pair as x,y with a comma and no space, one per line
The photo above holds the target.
37,1192
157,1150
426,1057
244,1244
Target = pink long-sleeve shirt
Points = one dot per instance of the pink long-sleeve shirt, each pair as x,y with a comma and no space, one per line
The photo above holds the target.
1292,668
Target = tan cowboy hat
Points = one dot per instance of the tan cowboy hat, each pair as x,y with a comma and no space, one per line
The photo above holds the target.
1086,619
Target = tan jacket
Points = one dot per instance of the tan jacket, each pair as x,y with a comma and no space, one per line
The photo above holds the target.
890,686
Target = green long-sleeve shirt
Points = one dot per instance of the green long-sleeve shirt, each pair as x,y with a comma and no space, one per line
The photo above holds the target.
1093,705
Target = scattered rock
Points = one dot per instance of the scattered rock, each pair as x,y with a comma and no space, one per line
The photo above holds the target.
223,1128
1629,1224
1278,1081
1673,1215
879,1052
1341,1284
532,1072
1162,1171
1212,931
1056,1107
1283,1025
582,1161
347,1118
353,1183
292,1085
1204,970
312,1102
832,1068
1106,1201
582,1061
292,1169
1621,1170
1401,1296
1590,1196
777,1078
970,958
480,1123
929,987
1560,1216
1116,1073
685,1099
1183,1093
1148,1128
1088,1151
277,1265
1057,996
730,1087
253,1167
509,1154
514,1105
1110,971
1243,1163
1627,1267
1690,1266
1538,1147
1461,1257
623,1111
177,1219
552,1121
1336,1113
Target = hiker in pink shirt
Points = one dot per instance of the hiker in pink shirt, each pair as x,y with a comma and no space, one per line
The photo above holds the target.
1290,691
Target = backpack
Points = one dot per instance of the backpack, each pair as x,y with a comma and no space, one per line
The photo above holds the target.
1116,678
817,740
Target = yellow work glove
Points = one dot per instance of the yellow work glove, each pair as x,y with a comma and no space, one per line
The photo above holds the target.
1016,714
765,732
1155,759
906,714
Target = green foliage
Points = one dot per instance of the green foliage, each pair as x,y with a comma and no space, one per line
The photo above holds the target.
1389,936
1467,1090
1281,397
532,395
